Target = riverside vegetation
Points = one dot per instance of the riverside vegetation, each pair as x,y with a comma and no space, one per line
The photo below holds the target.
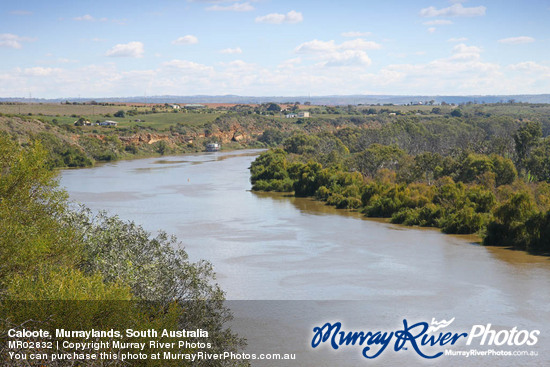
481,169
66,268
474,168
478,170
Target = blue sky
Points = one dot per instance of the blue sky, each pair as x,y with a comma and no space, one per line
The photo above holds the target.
56,49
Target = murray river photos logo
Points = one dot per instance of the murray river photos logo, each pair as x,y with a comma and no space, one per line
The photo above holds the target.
425,339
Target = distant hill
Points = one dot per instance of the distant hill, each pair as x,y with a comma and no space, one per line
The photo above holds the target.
316,100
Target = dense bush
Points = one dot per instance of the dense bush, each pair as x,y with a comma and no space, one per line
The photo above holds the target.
50,252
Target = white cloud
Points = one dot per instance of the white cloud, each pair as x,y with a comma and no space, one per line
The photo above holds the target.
330,46
233,7
290,63
517,40
186,40
458,39
89,18
455,10
461,72
186,65
463,52
276,18
438,22
345,54
86,18
431,29
348,58
131,49
13,40
353,34
236,50
238,64
40,71
532,68
317,46
360,44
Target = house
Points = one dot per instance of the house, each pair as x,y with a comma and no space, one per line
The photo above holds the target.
303,114
175,106
212,147
108,123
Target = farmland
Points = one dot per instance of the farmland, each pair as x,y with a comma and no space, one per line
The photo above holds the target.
157,117
145,130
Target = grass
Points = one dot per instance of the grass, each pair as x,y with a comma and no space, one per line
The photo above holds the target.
58,109
158,121
163,121
65,114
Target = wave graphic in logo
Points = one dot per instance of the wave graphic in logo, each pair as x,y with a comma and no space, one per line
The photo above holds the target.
436,325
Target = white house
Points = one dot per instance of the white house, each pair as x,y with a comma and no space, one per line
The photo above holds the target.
108,123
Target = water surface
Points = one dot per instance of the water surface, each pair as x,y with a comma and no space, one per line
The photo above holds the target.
273,247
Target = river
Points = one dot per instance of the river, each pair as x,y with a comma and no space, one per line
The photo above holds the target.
291,264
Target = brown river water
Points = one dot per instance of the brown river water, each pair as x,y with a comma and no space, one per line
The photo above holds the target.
289,264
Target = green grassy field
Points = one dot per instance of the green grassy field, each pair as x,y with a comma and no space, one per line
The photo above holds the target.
158,121
68,114
162,121
58,109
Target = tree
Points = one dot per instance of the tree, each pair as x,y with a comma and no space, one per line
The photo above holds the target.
269,165
526,137
456,112
120,113
161,147
377,156
271,137
473,166
273,107
538,162
508,227
49,252
29,233
504,170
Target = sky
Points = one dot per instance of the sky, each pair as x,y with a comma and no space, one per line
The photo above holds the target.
63,49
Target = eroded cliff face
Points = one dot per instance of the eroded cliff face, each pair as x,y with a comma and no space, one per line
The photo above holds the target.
235,133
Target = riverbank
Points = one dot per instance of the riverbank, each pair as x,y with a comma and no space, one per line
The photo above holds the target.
289,264
82,146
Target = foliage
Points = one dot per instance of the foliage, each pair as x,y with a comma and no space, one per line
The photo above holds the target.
120,113
49,252
526,137
270,166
